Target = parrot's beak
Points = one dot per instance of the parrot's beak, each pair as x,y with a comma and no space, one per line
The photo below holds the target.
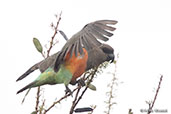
111,57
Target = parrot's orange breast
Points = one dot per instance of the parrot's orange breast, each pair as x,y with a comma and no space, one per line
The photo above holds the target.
76,64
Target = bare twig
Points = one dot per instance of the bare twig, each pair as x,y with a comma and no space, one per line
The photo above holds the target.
43,55
109,101
75,99
38,94
58,101
37,99
52,38
25,96
42,107
151,105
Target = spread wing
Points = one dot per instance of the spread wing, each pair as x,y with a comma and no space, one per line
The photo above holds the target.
86,38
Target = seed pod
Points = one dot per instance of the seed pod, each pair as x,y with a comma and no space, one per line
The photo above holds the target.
86,109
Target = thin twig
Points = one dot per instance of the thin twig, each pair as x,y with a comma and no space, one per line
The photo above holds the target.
43,55
75,99
52,38
37,99
58,101
25,96
41,108
151,105
38,93
109,102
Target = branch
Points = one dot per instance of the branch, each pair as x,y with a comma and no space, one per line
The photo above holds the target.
75,99
48,52
52,38
37,99
151,105
111,85
42,107
58,101
75,102
38,94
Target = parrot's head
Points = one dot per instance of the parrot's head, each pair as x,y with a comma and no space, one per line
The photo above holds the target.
109,51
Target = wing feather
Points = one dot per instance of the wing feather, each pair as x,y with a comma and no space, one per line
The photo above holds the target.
87,38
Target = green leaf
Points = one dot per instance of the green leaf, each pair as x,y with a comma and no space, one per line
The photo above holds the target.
92,87
34,112
38,45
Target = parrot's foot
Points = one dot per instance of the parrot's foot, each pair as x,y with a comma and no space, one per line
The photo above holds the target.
73,82
81,82
68,91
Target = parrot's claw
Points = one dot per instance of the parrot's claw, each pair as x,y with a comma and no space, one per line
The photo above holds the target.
73,82
81,82
68,91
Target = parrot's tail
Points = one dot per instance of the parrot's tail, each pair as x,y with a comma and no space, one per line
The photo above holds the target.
26,87
30,70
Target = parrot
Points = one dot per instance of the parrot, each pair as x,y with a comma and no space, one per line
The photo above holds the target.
81,52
